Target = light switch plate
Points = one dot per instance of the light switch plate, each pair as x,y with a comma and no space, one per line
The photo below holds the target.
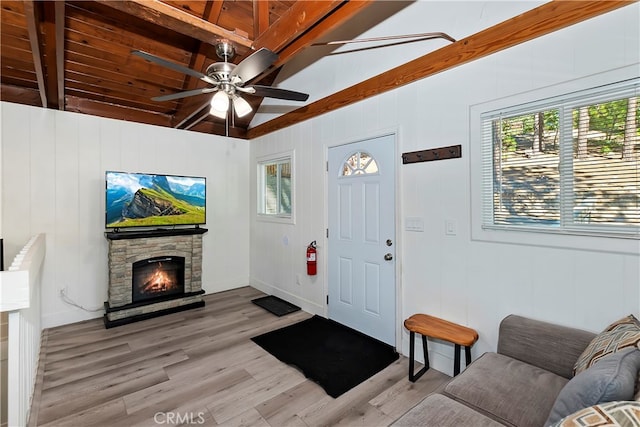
414,224
450,228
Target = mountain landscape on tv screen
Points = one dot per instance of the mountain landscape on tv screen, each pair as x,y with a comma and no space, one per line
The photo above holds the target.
154,200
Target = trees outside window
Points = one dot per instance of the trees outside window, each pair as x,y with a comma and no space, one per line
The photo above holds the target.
275,187
569,164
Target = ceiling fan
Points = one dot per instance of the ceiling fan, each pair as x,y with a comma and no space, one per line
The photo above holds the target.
228,80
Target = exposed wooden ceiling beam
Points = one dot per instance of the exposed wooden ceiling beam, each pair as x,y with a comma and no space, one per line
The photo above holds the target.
341,15
298,19
212,11
175,19
260,17
337,18
60,18
104,109
529,25
193,105
20,95
33,15
53,26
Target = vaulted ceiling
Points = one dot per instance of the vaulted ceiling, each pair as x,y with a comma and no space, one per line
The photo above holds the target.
76,55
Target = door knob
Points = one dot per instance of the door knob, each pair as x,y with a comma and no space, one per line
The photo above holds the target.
388,257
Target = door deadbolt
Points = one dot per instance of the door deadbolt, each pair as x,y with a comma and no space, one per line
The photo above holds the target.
389,242
388,257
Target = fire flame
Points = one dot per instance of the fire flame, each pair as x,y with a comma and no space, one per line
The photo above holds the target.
159,281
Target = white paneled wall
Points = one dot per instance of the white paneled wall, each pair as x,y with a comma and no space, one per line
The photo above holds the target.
467,281
53,166
278,250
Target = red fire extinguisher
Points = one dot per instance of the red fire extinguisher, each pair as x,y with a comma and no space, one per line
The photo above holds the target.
312,268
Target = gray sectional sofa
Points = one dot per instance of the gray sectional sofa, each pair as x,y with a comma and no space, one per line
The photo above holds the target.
517,385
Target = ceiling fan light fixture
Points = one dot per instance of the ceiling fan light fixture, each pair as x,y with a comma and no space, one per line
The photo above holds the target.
219,105
220,101
218,114
241,106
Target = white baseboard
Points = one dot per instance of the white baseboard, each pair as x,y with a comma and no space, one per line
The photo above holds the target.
73,315
225,285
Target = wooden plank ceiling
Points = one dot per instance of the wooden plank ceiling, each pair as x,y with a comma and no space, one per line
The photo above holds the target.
76,55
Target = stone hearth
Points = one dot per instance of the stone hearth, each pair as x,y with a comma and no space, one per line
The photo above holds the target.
127,248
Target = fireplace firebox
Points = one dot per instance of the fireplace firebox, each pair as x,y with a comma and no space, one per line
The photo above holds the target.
157,278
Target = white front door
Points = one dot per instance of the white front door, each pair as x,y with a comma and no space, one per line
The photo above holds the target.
361,253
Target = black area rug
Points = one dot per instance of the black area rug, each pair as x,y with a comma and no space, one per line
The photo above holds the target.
333,355
275,305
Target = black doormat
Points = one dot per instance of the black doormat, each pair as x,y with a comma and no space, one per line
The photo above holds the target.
275,305
333,355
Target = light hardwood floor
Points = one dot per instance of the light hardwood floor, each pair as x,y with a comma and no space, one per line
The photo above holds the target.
201,367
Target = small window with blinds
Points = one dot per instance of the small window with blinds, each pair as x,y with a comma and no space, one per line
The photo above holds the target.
570,165
275,183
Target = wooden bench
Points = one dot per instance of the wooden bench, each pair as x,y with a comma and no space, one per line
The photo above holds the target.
434,327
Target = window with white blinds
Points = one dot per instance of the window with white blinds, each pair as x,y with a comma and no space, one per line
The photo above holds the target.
275,183
569,164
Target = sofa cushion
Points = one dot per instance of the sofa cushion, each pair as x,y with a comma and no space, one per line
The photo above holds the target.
611,378
511,391
546,345
618,335
613,414
440,411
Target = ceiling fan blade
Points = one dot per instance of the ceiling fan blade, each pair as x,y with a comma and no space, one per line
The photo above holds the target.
172,65
254,64
417,37
184,94
274,92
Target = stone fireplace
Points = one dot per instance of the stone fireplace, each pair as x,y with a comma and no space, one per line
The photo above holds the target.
152,273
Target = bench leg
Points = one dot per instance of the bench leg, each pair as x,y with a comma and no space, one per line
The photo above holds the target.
413,377
456,358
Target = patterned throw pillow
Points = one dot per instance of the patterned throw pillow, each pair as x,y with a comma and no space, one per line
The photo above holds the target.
621,334
614,414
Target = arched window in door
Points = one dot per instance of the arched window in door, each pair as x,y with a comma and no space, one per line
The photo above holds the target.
359,163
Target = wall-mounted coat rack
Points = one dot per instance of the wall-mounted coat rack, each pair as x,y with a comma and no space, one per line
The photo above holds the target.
441,153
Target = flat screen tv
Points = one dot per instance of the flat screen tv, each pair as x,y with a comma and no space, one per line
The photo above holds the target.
152,200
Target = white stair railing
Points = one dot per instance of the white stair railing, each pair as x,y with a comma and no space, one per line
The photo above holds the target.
20,297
